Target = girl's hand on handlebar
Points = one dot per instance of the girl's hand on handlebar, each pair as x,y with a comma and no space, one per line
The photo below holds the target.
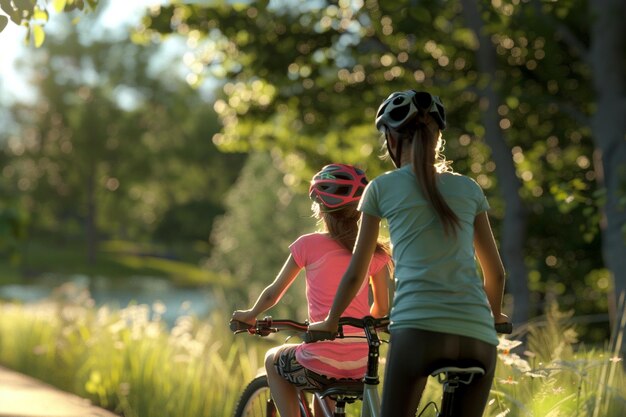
321,330
323,326
244,316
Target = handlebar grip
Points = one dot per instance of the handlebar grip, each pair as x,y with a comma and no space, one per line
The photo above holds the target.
317,336
505,328
238,326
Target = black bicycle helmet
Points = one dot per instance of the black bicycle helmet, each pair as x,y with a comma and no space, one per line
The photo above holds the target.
337,185
402,106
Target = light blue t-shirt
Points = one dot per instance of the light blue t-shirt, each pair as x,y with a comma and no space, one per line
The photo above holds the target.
438,287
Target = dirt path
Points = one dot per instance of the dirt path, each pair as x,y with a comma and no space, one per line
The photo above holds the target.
23,396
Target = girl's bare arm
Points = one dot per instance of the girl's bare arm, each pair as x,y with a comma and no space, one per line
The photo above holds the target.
272,293
380,290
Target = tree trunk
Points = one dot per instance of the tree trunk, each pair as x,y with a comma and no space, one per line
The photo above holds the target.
608,41
91,233
515,217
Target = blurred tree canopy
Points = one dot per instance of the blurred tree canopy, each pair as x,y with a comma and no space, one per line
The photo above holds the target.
534,93
111,148
307,77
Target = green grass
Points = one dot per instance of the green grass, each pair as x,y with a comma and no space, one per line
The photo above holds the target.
128,361
116,260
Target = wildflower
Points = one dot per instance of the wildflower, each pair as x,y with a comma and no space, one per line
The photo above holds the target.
537,373
505,346
181,358
509,380
117,327
40,350
158,308
515,361
615,359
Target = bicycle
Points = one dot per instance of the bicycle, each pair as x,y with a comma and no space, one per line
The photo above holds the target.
256,400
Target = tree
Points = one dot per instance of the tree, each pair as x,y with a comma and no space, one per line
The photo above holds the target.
34,14
515,218
263,217
607,59
116,154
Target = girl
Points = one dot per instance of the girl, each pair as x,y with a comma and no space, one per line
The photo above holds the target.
438,222
335,190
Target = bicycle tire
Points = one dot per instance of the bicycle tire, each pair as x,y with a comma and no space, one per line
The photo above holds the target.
255,401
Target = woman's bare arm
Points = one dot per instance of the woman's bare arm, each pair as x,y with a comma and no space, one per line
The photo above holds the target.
491,264
356,272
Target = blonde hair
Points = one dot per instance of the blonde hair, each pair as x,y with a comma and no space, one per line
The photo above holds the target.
343,225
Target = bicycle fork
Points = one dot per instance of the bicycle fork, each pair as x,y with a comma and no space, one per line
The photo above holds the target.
371,400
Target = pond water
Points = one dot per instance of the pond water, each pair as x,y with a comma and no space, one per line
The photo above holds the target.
138,290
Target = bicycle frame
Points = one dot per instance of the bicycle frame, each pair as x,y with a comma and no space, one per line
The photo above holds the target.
370,401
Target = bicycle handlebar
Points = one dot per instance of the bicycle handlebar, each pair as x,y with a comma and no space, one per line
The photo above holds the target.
504,328
267,325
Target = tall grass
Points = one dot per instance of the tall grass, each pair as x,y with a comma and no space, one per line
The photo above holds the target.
128,361
553,375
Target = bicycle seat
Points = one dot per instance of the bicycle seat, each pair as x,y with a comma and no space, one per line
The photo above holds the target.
344,388
464,375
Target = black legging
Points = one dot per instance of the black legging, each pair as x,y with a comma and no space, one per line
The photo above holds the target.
414,354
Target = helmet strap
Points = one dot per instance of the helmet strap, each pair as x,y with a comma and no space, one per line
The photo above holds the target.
396,158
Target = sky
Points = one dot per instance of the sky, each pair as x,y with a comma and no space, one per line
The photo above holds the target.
117,15
11,41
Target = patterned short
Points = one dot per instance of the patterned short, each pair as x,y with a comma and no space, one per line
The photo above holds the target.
290,369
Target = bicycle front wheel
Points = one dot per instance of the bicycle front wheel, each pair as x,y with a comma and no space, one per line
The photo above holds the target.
256,401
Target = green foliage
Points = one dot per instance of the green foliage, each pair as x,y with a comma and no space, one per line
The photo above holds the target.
116,261
126,153
13,231
34,14
263,217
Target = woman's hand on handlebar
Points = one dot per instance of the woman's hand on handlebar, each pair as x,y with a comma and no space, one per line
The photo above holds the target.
244,316
503,324
501,318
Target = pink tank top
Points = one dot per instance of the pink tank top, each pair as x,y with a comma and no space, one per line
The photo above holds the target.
325,261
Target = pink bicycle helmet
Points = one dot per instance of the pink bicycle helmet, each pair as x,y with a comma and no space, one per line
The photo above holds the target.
337,185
